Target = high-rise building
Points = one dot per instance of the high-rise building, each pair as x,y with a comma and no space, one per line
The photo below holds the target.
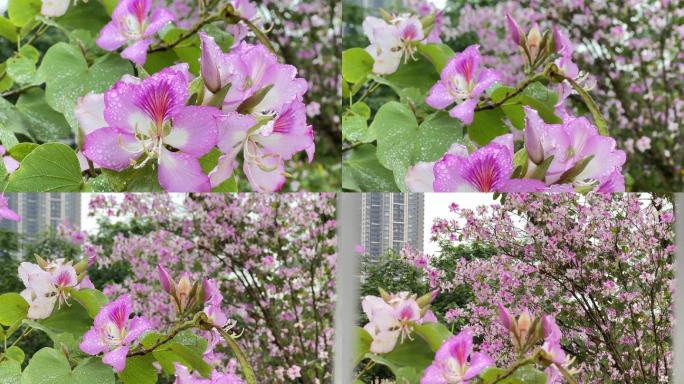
41,211
391,220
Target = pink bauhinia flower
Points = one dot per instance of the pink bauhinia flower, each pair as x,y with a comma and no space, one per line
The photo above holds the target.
147,120
570,143
455,361
272,128
132,24
114,333
462,82
390,41
5,212
46,286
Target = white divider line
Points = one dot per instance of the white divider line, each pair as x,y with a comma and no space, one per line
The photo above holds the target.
347,285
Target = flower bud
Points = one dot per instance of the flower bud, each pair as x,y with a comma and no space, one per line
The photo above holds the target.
209,63
533,145
166,282
385,296
514,30
81,266
427,298
505,318
534,39
524,324
41,262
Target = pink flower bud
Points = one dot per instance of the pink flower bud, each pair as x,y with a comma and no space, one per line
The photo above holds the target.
209,63
514,30
505,318
165,279
533,145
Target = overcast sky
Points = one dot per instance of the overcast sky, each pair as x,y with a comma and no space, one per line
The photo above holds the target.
437,205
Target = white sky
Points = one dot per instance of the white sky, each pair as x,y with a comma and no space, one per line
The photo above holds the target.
441,4
437,206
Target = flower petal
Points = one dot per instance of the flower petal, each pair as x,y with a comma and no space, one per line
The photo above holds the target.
478,362
112,148
137,52
447,173
136,327
265,171
116,358
194,130
120,108
181,172
92,343
286,88
464,111
159,18
224,169
420,177
8,214
439,96
289,132
110,38
90,112
433,375
486,78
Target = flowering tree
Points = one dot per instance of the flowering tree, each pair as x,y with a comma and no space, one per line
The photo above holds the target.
453,123
143,96
633,50
222,289
602,265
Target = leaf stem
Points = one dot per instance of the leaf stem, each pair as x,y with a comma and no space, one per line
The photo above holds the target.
519,89
513,368
244,364
164,340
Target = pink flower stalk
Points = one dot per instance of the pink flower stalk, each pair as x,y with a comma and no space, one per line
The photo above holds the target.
147,117
455,361
183,376
113,333
389,42
10,163
267,133
132,24
5,212
462,82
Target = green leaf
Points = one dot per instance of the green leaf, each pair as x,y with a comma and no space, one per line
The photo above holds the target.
355,129
419,74
139,370
545,112
139,180
90,16
50,366
407,361
22,11
433,333
363,172
7,30
362,345
30,52
46,124
356,65
11,120
222,38
526,374
401,142
65,326
10,372
22,70
13,307
68,76
6,82
52,167
15,353
487,125
21,150
438,54
192,357
91,299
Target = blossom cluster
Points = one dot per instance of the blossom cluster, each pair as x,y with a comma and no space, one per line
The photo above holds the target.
634,58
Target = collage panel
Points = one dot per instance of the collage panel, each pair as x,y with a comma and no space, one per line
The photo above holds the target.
169,95
167,288
533,288
512,96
